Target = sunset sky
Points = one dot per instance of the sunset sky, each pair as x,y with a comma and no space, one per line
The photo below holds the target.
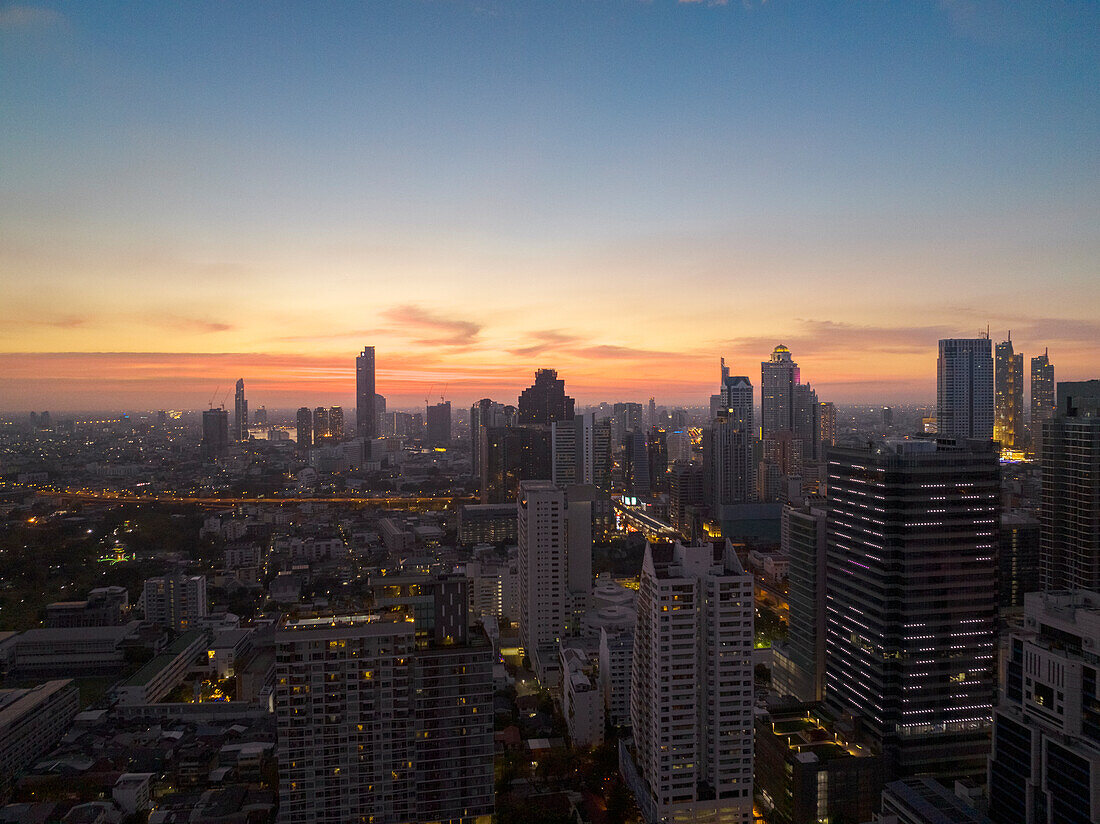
624,191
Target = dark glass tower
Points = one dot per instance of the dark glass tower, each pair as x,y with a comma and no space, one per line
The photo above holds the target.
215,434
910,600
545,401
366,414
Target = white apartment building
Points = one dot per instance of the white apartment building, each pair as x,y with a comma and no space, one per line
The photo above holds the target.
175,601
691,699
582,701
616,654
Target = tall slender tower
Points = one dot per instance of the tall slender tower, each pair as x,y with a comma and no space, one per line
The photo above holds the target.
1008,417
778,377
1042,397
240,413
727,447
964,388
366,415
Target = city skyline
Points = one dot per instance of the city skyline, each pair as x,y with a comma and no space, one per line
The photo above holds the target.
622,192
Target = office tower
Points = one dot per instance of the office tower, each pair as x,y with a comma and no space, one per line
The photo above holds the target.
626,417
240,413
826,426
658,459
1019,569
964,388
803,669
260,418
805,420
376,724
438,432
651,417
366,410
336,423
215,434
778,377
379,411
887,417
691,691
175,602
727,447
305,428
321,430
779,476
1069,516
555,568
545,401
1008,396
636,463
910,599
685,495
581,452
483,414
1042,397
1045,765
509,455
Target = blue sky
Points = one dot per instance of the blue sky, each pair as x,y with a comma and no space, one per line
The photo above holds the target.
619,187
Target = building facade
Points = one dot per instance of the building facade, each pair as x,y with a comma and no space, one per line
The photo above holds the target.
1008,396
366,412
964,388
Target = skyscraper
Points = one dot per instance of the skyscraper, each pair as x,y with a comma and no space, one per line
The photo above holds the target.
438,429
1008,393
964,388
778,377
805,421
1069,518
804,544
581,452
727,447
366,413
336,423
305,428
240,413
1042,397
509,455
321,425
485,413
826,426
215,434
555,568
911,600
545,401
691,690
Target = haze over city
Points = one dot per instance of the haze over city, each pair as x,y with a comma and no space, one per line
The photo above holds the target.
623,191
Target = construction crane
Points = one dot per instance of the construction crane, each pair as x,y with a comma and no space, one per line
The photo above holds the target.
210,403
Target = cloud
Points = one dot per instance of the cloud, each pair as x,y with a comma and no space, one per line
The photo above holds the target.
542,341
185,324
613,352
15,17
435,329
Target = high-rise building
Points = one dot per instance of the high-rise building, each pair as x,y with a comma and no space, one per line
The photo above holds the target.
366,410
305,428
175,601
336,423
1008,396
911,599
636,473
1045,765
657,443
964,388
215,434
260,418
887,417
555,568
803,670
778,377
1019,569
581,452
321,425
826,426
1042,397
483,414
805,420
438,418
685,495
379,411
509,455
727,447
545,401
691,692
1069,516
625,417
240,413
377,722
